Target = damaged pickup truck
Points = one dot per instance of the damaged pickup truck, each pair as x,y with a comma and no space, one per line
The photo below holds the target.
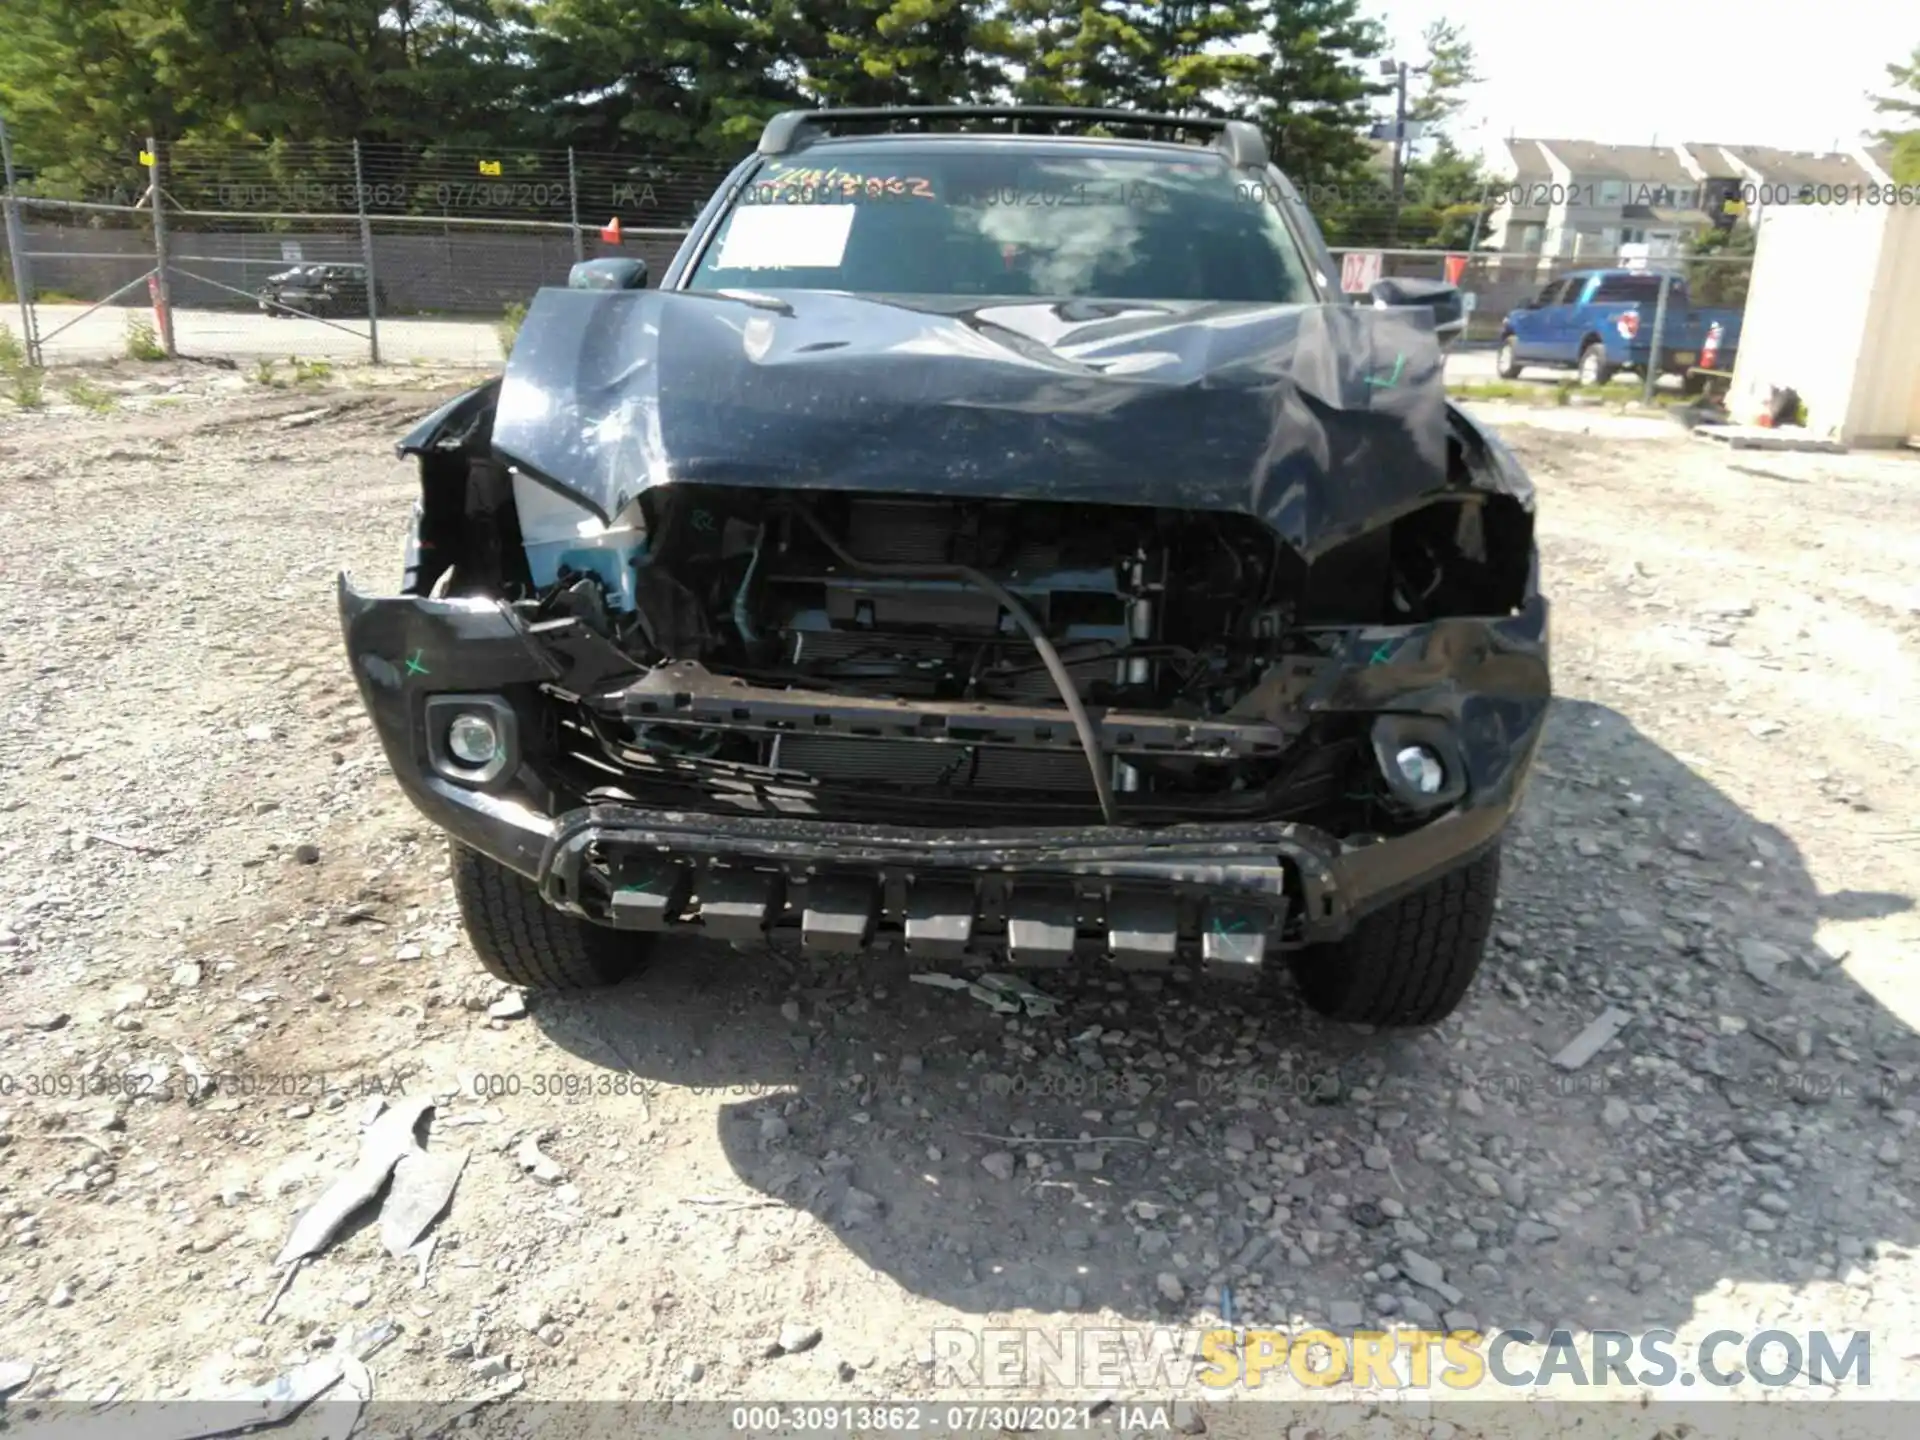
989,538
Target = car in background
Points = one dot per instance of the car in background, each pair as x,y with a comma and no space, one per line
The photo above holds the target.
1599,322
328,289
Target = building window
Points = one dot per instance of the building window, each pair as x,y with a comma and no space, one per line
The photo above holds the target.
1530,238
1686,199
1633,235
1613,192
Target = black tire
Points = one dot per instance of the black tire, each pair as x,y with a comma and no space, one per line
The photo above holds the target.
1505,363
1411,962
1594,369
523,940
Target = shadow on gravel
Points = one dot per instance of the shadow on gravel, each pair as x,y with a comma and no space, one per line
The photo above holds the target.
1735,1131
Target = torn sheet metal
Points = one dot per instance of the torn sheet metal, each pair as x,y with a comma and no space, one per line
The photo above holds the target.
1023,996
385,1142
1319,420
1005,994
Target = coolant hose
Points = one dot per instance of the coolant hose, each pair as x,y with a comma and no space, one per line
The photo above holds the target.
742,620
1050,657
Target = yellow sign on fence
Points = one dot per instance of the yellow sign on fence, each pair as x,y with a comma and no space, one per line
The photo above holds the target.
146,158
489,167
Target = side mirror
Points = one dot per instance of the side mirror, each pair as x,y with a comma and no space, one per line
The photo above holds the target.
613,272
1449,309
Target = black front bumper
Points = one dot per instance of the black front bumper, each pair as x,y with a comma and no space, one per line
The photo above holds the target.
1219,891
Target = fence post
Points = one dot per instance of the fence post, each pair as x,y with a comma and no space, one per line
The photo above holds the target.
163,296
17,248
366,255
573,197
1659,328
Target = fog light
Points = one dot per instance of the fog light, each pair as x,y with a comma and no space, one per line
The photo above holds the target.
472,739
1421,768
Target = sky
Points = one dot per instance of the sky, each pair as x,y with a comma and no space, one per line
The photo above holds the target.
1786,73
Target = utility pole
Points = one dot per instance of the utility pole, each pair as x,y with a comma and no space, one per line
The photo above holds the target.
1399,154
1399,70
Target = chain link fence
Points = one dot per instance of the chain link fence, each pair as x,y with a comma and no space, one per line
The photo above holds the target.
327,252
388,253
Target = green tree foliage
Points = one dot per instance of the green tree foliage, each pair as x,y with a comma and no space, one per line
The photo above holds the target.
1715,272
82,85
654,75
1314,93
1905,103
1443,199
1449,71
890,52
1063,52
1445,187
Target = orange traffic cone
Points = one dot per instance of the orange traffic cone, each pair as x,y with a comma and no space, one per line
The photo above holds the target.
610,232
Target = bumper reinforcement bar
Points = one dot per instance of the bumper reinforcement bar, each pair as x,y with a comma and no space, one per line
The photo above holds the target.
1046,920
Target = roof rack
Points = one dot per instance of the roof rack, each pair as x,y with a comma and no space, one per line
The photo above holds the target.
1245,147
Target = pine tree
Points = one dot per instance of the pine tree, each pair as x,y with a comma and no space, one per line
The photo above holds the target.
1314,91
1904,138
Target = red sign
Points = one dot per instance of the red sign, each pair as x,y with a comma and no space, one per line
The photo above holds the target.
610,232
159,305
1456,269
1359,271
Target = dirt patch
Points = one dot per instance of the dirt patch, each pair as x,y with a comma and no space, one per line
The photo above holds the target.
205,869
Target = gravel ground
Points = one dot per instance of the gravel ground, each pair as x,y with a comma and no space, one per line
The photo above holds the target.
766,1177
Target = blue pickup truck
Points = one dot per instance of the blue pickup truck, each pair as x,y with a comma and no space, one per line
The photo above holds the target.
1601,321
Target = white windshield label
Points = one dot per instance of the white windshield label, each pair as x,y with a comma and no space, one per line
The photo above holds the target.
779,237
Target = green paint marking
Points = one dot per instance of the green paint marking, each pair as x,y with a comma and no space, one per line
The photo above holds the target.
414,667
1234,927
1383,654
1399,369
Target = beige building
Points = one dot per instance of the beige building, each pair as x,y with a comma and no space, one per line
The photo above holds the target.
1576,200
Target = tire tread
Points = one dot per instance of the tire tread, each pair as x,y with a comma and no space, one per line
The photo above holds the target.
1410,963
522,940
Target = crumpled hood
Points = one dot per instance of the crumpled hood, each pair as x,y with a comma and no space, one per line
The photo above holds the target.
1320,420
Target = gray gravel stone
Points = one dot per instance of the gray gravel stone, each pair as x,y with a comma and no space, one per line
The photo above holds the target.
797,1337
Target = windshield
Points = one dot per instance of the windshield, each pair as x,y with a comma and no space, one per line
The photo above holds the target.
1006,218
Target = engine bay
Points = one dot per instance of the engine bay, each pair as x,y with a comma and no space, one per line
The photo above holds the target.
1071,659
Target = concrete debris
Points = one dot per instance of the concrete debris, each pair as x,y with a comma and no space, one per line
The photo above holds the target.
536,1164
1588,1043
511,1006
485,1115
422,1188
795,1337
